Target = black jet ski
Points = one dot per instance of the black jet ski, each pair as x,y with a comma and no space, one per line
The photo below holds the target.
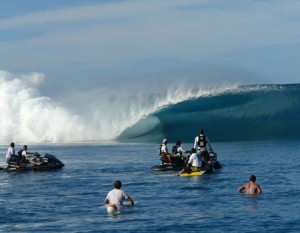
214,163
178,164
47,162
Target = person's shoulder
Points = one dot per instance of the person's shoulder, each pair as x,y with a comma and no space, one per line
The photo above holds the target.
111,191
247,185
124,192
257,185
193,155
119,191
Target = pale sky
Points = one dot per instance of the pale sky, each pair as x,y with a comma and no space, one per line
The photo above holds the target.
90,43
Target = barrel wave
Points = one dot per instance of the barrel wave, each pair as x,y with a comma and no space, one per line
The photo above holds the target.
257,112
226,113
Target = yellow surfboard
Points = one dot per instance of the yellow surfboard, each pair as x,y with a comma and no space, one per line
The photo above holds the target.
198,173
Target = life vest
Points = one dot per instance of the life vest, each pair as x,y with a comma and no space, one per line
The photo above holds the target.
20,152
201,140
175,150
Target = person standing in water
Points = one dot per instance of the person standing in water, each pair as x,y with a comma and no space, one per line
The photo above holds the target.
251,187
116,197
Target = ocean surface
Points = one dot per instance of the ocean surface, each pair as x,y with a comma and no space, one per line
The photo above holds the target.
71,199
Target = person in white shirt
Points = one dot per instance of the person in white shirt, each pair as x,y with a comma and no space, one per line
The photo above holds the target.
29,156
177,153
194,163
201,141
10,154
116,197
163,151
177,150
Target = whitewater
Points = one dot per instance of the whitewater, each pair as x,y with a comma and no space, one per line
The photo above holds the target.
29,116
105,115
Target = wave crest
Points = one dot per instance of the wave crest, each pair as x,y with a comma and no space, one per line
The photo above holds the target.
226,113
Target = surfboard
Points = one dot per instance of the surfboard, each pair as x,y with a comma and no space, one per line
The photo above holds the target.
111,210
199,173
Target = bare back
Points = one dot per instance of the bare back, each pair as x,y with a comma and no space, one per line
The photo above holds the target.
250,188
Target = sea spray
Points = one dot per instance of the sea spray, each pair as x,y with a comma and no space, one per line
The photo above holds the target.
26,116
113,110
110,113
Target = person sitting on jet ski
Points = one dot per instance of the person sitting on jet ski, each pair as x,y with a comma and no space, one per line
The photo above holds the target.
194,163
177,151
11,156
163,152
29,156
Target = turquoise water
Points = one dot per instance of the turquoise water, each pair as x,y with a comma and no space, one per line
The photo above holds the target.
245,113
71,199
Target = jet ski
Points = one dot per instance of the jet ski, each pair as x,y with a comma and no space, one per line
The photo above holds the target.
46,162
178,164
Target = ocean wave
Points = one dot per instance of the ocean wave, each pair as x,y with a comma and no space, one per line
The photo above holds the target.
226,113
256,112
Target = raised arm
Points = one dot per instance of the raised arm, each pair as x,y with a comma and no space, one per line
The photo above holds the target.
196,142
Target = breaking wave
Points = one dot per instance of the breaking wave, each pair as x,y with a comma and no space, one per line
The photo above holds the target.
243,113
227,113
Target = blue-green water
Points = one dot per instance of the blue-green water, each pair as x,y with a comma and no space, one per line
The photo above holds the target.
259,112
71,199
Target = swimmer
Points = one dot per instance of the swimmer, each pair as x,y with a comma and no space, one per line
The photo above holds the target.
251,187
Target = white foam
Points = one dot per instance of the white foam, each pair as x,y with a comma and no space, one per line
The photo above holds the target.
27,116
99,114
